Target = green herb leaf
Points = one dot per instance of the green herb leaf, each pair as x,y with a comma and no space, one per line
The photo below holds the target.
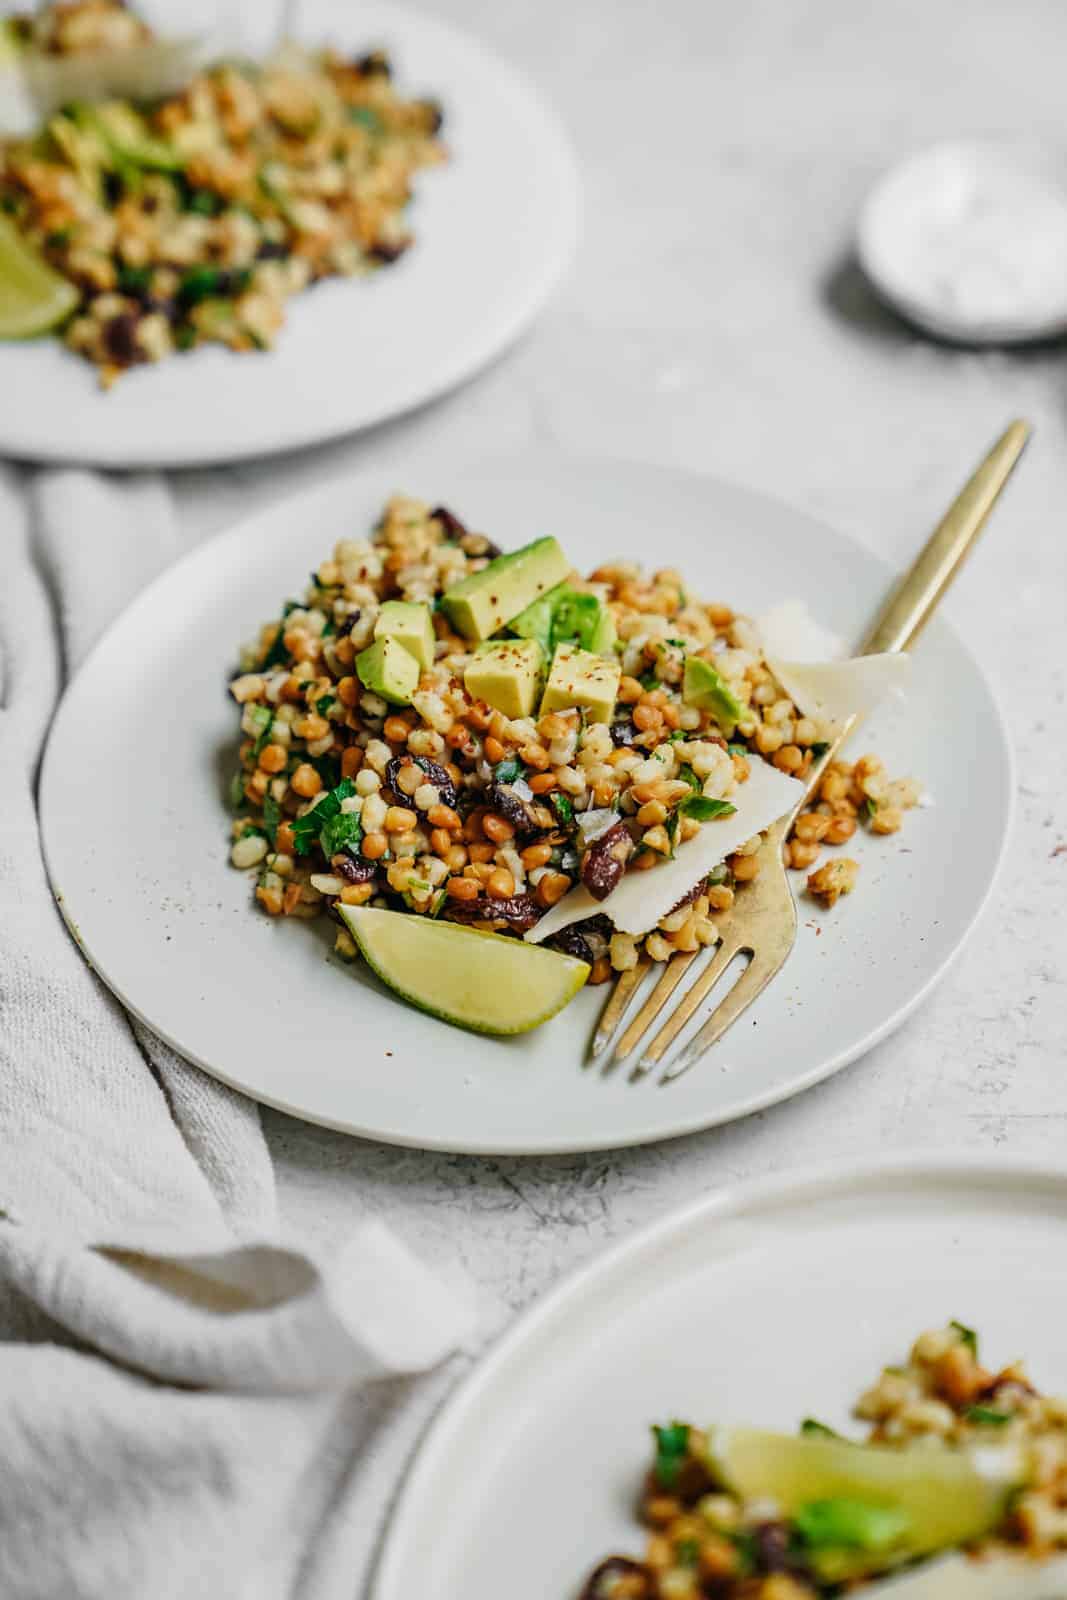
672,1447
366,117
507,771
204,203
869,807
325,705
679,644
967,1336
687,775
719,874
987,1416
272,816
648,680
306,829
340,832
277,655
810,1426
563,807
237,790
703,809
677,736
687,1552
134,280
673,822
263,721
252,830
737,749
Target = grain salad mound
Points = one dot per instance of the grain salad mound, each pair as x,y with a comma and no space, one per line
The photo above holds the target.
446,806
192,219
706,1542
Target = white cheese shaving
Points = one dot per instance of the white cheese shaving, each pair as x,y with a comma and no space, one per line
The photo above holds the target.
643,898
807,661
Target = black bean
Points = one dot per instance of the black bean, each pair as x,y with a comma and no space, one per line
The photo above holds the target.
600,1587
604,863
623,733
272,250
472,544
771,1549
354,868
454,529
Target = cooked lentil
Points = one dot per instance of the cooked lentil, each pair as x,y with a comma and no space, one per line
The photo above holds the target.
705,1542
459,811
192,220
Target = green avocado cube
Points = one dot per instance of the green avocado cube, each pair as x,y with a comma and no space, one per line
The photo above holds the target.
410,625
386,668
579,678
482,603
506,674
706,689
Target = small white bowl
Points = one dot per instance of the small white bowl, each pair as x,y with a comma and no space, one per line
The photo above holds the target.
968,240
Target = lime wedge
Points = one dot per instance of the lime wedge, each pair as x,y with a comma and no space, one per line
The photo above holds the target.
33,298
480,981
943,1497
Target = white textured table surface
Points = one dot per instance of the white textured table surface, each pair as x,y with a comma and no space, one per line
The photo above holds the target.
711,320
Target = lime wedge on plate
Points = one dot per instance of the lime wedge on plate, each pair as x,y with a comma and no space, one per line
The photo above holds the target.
33,298
480,981
939,1498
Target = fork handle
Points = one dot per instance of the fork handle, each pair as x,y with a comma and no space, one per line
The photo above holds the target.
915,598
917,594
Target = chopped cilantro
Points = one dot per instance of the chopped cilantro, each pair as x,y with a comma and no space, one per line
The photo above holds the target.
687,775
987,1416
306,829
673,822
679,644
507,771
672,1447
252,830
737,749
870,807
134,280
967,1336
185,338
563,808
687,1552
329,770
648,680
341,832
237,790
325,705
277,655
366,117
204,203
703,809
677,736
272,816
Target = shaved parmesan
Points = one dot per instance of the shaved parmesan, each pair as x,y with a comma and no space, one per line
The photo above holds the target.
34,85
643,898
807,661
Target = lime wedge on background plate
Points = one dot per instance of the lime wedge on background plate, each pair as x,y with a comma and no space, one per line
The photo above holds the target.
480,981
33,298
949,1497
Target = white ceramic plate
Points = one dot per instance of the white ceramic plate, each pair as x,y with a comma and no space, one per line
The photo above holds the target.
778,1300
493,231
137,847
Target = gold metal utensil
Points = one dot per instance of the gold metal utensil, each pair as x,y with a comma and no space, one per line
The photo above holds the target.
762,924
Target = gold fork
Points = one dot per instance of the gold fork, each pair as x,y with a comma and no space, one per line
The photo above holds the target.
762,923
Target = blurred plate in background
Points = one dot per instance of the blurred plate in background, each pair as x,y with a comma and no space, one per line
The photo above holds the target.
493,229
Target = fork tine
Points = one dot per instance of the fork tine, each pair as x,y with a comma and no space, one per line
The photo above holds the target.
755,978
616,1005
669,979
688,1005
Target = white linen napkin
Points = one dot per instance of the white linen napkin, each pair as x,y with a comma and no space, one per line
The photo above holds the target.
189,1403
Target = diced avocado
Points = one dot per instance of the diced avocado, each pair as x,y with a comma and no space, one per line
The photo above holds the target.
705,688
410,625
579,678
506,673
565,615
386,668
537,619
127,137
604,635
482,603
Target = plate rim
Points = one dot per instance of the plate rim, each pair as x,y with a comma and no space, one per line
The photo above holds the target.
939,1166
562,1145
491,345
